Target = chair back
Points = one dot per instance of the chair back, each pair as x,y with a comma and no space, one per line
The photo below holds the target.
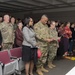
4,57
16,52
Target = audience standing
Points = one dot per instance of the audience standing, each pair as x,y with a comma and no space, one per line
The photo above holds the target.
67,34
43,40
7,33
71,40
53,44
29,46
18,35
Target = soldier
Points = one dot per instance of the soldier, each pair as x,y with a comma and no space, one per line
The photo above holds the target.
12,21
53,44
7,33
43,39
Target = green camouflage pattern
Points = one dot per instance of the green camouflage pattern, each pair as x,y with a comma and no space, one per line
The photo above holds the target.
7,33
42,33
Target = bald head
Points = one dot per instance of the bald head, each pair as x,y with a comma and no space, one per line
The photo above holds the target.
6,18
44,16
44,19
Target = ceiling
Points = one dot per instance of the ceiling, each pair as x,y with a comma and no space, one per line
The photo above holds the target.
33,5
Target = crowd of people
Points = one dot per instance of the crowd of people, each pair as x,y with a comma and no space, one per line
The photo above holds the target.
53,38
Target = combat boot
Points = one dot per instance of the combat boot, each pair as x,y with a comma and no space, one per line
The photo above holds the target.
39,72
50,65
43,69
53,65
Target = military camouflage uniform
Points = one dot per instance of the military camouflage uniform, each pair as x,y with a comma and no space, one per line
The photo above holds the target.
53,45
14,37
42,33
7,35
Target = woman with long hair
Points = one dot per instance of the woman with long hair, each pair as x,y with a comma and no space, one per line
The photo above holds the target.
29,49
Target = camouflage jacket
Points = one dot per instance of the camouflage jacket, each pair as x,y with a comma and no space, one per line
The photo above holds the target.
53,34
7,32
42,33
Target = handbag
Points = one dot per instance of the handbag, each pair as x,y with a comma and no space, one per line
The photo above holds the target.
39,53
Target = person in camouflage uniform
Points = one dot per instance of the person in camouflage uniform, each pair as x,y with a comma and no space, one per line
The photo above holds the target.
43,39
14,28
13,23
53,44
6,29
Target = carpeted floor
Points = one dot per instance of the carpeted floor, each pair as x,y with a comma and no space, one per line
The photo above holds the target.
63,66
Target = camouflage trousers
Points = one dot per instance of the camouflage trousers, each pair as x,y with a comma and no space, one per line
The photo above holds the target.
7,46
52,51
43,59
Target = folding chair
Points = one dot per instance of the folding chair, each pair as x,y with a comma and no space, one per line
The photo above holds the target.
9,66
17,53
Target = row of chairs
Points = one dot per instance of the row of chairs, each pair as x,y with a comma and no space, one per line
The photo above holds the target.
11,61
